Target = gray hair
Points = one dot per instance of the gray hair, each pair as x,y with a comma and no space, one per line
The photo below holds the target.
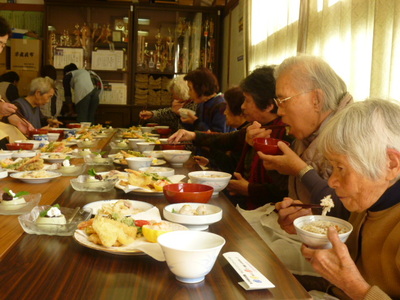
311,72
179,86
363,131
41,84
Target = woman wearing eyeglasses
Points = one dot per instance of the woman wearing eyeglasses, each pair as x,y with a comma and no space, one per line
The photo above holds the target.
309,93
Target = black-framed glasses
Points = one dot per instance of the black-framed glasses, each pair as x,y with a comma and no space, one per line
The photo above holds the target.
279,102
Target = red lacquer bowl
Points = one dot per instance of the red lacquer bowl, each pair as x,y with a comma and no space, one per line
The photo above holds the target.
268,145
188,192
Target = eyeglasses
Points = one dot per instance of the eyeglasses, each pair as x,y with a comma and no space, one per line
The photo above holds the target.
2,44
279,102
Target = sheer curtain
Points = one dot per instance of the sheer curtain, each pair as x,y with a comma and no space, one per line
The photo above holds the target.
272,31
360,39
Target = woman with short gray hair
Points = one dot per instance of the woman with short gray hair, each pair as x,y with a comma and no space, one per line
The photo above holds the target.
362,143
40,92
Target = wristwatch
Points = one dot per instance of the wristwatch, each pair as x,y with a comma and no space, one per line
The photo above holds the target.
304,171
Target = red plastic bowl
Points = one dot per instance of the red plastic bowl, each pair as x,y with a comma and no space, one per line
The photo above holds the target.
19,146
268,145
151,124
173,146
188,192
164,131
74,125
37,131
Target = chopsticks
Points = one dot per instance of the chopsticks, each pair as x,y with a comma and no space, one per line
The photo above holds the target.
304,205
21,116
273,126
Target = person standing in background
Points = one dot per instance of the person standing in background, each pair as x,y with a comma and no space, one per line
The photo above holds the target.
52,109
87,87
8,86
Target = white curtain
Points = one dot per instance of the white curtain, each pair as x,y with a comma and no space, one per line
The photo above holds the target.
272,31
360,39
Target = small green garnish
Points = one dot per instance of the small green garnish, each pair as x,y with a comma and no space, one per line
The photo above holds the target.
17,195
44,212
101,153
92,172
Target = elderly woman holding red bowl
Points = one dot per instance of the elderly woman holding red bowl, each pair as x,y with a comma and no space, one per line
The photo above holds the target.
362,143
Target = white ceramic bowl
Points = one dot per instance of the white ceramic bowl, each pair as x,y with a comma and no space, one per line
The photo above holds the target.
218,180
318,240
143,146
163,141
132,143
135,163
146,129
53,136
161,171
176,157
156,154
184,112
190,255
195,216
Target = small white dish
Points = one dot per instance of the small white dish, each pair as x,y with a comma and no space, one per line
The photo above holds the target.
218,180
193,222
144,146
5,154
176,157
140,206
161,171
83,183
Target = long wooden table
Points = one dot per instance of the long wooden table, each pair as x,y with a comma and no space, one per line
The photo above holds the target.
53,267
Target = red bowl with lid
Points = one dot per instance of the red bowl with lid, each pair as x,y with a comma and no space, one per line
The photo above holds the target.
188,192
268,145
74,125
19,146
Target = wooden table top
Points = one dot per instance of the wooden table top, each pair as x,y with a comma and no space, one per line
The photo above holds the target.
54,267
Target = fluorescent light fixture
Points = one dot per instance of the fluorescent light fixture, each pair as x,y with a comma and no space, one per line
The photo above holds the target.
143,33
144,21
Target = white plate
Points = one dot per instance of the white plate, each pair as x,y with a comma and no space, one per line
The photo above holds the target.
159,162
47,158
194,222
19,175
45,167
24,153
95,206
82,239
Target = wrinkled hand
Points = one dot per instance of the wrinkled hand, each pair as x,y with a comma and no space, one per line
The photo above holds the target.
255,131
287,214
191,118
7,109
145,114
181,135
22,125
337,266
238,186
289,163
201,160
54,123
176,105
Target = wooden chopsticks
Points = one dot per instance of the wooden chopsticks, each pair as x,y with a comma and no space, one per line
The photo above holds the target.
304,205
21,116
273,126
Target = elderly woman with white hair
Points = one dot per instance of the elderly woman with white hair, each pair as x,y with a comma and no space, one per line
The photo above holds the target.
41,90
179,89
362,143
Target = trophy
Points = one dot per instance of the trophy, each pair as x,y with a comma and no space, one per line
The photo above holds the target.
77,34
158,49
